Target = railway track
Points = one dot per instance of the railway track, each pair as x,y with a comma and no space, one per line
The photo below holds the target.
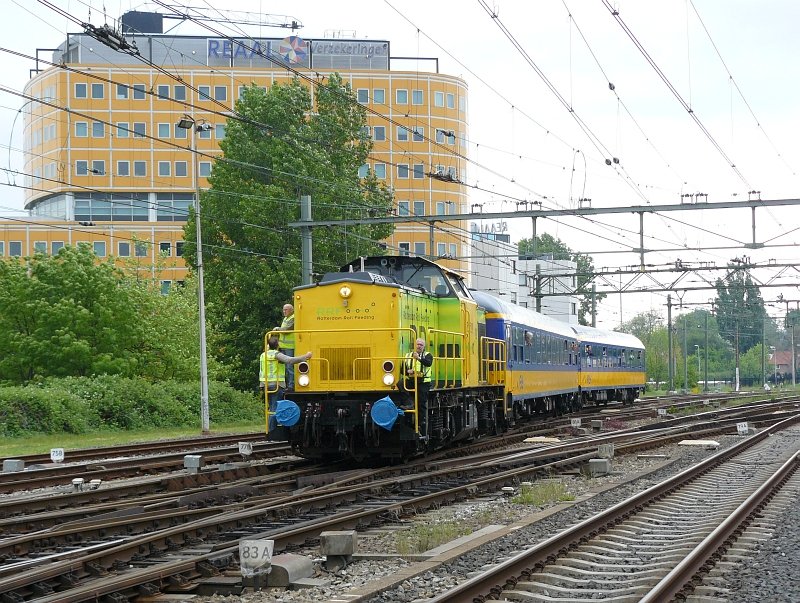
653,546
186,536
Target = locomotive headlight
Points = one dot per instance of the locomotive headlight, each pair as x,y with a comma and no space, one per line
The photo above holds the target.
388,379
303,380
302,367
345,291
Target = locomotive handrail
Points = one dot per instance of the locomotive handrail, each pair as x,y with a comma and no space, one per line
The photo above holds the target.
493,358
446,363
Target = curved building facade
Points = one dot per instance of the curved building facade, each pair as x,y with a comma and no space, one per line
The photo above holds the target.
103,145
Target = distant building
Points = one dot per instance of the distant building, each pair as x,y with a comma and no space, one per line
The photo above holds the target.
103,146
498,269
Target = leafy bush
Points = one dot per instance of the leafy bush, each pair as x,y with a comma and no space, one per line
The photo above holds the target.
27,410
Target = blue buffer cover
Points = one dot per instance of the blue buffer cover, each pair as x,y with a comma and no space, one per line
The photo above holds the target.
287,413
384,413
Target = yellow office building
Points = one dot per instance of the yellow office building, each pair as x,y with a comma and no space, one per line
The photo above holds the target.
103,145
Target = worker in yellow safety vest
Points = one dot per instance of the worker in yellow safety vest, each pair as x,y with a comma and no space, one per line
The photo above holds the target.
272,374
286,341
417,376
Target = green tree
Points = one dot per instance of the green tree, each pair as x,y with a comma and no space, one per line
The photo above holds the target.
72,315
547,244
740,309
750,366
285,146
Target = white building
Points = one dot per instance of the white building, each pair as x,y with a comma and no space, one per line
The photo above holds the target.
498,270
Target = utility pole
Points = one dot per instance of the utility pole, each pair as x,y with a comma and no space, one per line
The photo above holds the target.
669,341
685,359
705,358
305,237
736,382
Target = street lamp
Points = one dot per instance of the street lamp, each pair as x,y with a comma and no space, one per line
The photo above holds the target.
188,123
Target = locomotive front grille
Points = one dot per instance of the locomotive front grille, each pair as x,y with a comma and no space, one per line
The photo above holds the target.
346,364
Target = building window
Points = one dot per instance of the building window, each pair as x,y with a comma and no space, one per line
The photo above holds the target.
362,94
15,249
452,172
124,249
181,132
123,129
140,249
574,308
81,167
164,168
419,248
205,134
165,285
219,131
438,99
419,171
2,248
379,96
179,249
56,246
441,249
179,92
173,207
205,92
365,131
404,248
379,133
220,93
163,130
453,250
205,169
419,133
402,170
416,97
163,91
451,100
98,129
440,208
139,129
402,208
181,169
99,167
402,134
439,135
99,248
80,90
380,170
81,129
138,92
419,208
363,171
123,168
122,92
165,249
140,169
40,247
98,91
401,97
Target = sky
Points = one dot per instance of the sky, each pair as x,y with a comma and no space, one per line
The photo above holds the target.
711,109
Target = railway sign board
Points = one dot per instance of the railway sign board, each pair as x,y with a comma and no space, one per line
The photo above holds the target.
662,412
575,422
245,448
255,557
743,428
57,455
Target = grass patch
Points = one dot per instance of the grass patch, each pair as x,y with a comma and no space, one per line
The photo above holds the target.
542,493
41,444
424,537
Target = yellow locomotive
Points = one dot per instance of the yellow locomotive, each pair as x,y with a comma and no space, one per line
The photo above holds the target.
361,323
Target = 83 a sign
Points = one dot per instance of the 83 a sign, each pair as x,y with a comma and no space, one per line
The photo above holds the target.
255,557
